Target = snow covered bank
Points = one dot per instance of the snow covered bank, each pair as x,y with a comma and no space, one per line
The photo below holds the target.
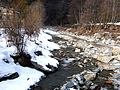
27,76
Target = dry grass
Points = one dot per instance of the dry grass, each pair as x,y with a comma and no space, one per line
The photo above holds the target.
111,31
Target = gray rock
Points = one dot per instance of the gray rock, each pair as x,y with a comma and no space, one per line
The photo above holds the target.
92,87
77,50
70,84
79,78
80,43
89,75
40,68
9,76
97,36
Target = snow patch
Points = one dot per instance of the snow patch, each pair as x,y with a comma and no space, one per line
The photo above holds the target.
27,76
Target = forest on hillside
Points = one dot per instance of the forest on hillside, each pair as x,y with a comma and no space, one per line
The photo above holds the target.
61,12
82,11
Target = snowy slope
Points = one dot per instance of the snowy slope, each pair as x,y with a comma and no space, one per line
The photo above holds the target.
27,76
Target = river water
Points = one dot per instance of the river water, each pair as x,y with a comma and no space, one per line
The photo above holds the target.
71,63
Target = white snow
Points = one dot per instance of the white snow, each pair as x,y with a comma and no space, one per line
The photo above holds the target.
27,76
45,60
110,23
51,32
117,23
45,46
6,69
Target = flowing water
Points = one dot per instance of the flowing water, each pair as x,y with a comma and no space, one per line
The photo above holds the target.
69,65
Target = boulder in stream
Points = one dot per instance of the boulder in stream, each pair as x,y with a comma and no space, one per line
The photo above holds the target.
89,75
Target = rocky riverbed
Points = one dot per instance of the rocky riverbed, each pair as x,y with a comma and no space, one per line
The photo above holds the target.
86,63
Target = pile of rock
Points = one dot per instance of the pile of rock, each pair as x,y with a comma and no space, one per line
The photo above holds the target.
7,70
81,81
99,46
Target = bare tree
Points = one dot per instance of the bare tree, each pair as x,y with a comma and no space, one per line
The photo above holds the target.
26,20
34,18
94,11
75,10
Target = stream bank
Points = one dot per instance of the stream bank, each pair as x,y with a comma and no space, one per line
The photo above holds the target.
72,62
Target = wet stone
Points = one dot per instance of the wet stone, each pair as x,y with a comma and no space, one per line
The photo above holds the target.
70,84
90,76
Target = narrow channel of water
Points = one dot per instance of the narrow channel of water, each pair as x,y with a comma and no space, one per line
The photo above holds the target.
67,69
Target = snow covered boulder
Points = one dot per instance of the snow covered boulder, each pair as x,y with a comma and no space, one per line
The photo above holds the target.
7,71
